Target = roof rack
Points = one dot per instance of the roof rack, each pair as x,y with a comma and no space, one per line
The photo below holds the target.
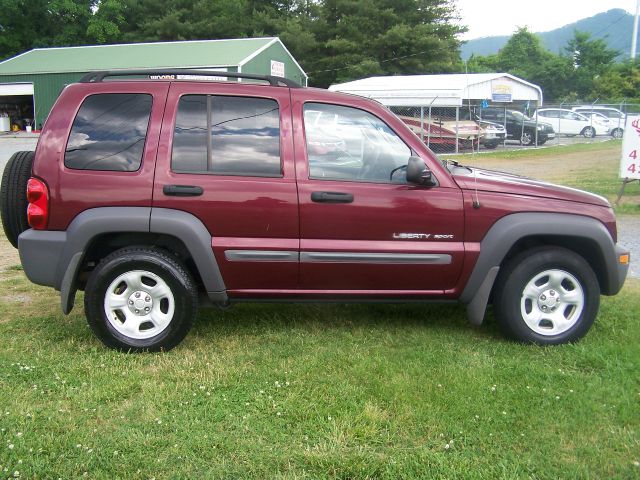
173,74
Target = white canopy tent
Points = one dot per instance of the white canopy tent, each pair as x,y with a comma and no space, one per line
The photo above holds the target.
448,90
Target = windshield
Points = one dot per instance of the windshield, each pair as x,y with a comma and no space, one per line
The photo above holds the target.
520,115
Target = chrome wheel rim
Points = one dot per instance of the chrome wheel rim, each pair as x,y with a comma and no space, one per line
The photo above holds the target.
139,304
617,133
526,139
552,302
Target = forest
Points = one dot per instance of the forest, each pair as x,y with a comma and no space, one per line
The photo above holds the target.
334,40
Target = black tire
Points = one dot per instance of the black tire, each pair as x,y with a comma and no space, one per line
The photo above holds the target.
490,145
588,132
510,301
13,195
617,133
181,308
527,138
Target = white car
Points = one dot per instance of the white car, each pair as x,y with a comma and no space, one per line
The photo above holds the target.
569,122
615,116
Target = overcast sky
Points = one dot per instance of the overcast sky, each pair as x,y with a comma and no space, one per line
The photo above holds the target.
486,18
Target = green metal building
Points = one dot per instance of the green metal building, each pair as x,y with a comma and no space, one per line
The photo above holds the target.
31,81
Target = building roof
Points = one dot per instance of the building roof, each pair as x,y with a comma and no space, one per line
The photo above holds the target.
436,90
188,54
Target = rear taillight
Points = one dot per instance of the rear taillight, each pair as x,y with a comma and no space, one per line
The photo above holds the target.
38,198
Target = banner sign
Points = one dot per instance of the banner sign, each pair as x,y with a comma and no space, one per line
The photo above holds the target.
277,68
630,162
501,92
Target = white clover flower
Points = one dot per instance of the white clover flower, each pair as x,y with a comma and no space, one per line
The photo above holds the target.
447,446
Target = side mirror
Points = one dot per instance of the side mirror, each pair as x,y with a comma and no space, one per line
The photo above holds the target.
418,173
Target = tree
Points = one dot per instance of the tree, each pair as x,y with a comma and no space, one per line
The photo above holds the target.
620,82
591,58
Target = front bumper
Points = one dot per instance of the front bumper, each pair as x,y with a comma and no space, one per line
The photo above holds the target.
617,278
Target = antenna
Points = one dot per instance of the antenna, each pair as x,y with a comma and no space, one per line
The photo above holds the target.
476,201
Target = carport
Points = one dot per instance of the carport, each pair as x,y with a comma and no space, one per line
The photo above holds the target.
438,106
447,90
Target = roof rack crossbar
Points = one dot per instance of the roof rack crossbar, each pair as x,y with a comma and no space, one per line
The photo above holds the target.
97,77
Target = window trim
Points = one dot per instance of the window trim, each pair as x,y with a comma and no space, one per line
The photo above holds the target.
306,146
144,146
210,163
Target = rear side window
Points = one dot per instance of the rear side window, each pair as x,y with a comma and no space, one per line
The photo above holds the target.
227,136
109,132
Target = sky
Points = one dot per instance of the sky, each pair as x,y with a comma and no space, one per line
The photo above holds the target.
486,18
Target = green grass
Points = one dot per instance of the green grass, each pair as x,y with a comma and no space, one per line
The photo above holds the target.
549,148
310,391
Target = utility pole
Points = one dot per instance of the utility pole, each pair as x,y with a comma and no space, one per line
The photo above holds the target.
635,31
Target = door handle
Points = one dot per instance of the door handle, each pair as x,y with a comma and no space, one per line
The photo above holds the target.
331,197
182,190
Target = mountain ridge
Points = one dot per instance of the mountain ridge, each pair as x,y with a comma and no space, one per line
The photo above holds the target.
613,26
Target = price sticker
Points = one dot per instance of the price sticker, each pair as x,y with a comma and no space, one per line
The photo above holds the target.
630,161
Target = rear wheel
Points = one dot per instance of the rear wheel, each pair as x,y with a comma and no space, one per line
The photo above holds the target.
617,133
546,296
140,299
13,195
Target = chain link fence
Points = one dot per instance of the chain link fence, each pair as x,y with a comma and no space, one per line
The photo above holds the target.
476,127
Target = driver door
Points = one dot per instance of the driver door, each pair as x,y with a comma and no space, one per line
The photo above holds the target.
363,228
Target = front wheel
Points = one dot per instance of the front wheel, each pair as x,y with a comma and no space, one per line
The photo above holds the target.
547,296
140,299
588,132
527,138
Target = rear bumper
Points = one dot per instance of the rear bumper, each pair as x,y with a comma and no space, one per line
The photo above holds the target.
40,255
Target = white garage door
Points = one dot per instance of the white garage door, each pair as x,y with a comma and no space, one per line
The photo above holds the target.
16,89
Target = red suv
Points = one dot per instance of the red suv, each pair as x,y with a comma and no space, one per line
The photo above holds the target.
153,195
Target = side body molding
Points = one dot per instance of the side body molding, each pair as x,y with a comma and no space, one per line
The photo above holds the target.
512,228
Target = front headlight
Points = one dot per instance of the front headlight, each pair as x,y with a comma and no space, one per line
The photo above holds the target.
540,128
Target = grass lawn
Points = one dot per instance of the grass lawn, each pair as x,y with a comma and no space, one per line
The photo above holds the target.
317,391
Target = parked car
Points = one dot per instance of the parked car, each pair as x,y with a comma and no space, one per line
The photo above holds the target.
616,117
568,122
442,133
492,134
152,195
519,126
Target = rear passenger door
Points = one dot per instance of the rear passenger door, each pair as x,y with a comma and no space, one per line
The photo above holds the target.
226,156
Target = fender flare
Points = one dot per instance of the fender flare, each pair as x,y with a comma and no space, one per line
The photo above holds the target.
507,231
99,221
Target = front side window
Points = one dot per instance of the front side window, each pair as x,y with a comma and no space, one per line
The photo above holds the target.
345,143
227,136
109,132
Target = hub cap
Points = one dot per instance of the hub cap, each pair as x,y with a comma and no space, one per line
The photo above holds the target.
552,302
139,304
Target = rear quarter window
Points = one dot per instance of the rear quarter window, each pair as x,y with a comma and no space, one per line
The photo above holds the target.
109,132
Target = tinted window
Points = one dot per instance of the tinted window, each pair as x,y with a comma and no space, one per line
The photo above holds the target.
349,144
227,136
109,132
